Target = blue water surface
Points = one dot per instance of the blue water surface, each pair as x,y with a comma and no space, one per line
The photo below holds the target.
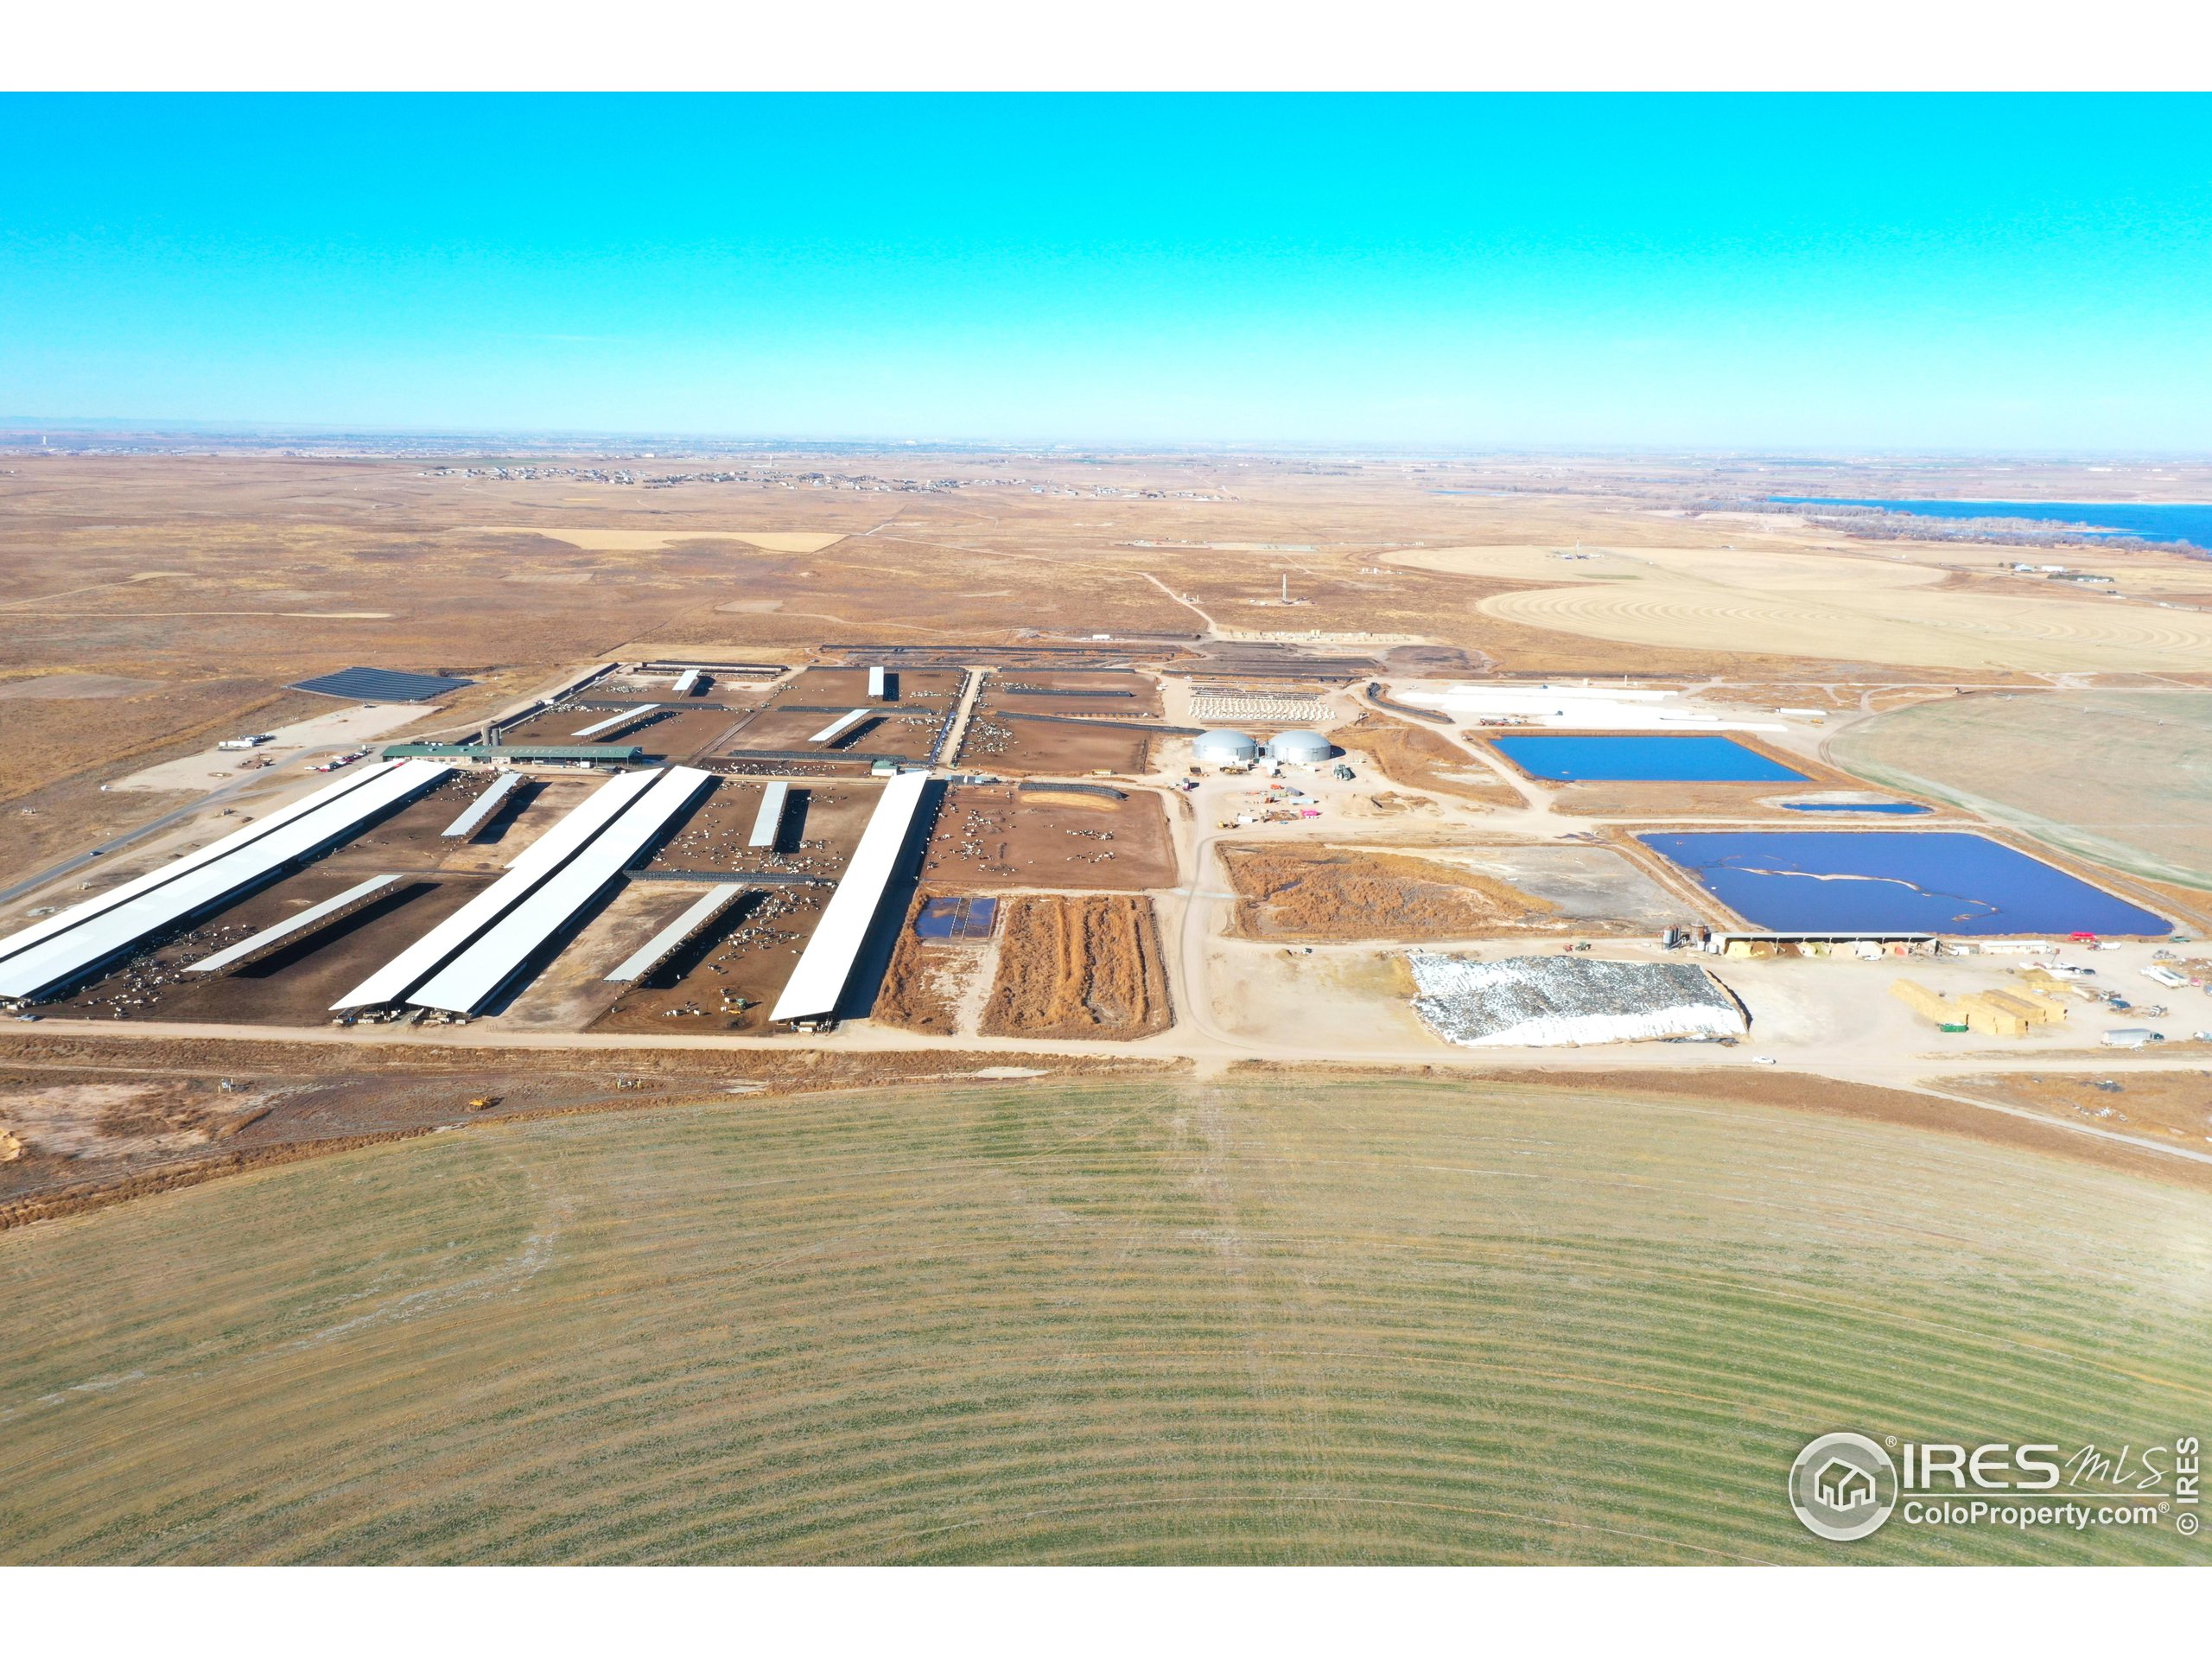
1892,881
1667,759
2155,521
1895,808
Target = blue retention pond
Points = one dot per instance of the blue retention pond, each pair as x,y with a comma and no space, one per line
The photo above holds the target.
1895,808
1892,881
1687,759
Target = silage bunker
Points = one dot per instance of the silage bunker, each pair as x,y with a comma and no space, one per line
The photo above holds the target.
1565,1000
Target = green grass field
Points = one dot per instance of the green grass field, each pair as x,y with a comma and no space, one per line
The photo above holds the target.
2124,777
1339,1323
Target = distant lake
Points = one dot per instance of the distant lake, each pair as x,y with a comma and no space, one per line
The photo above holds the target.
1825,881
2154,521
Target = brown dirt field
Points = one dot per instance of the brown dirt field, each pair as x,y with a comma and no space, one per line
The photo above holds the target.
999,692
905,729
1420,760
1315,893
1078,967
1042,749
103,1122
990,835
2164,1105
933,689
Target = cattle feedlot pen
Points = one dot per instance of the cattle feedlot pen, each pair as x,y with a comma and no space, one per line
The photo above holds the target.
392,982
476,976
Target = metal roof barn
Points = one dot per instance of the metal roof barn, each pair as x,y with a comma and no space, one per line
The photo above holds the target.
840,726
671,938
770,822
592,753
72,956
686,683
392,982
76,915
477,975
293,927
381,685
612,721
827,963
482,807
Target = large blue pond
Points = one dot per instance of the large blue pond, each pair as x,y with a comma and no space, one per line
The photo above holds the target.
2155,521
1890,882
1668,760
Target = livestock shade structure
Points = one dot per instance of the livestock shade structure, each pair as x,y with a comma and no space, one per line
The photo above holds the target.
392,982
478,974
381,685
612,721
671,938
293,928
770,822
838,728
77,915
482,807
74,954
827,963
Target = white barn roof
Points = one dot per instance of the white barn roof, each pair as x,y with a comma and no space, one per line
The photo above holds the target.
826,964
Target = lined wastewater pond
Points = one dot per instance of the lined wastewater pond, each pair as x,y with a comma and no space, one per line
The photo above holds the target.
1842,881
1685,759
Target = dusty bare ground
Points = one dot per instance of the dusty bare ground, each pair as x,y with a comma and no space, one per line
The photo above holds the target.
1423,759
922,985
2172,1105
96,1122
1087,967
1798,1092
1287,892
993,835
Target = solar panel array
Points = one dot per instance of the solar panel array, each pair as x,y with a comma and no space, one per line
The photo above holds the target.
92,934
382,685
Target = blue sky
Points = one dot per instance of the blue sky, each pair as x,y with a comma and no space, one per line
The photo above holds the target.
1980,271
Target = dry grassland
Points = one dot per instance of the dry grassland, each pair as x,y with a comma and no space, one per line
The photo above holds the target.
1330,1323
1423,759
1088,966
2124,777
1318,892
1861,607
